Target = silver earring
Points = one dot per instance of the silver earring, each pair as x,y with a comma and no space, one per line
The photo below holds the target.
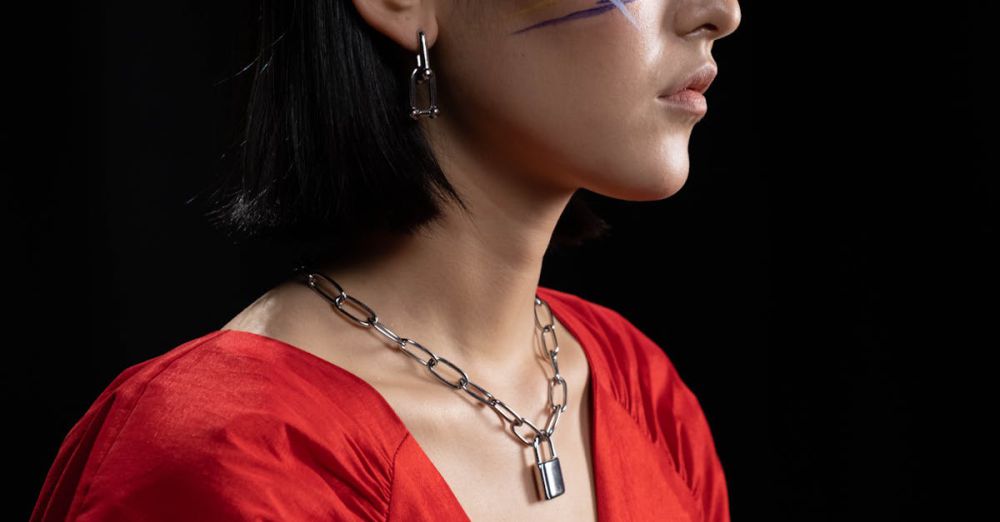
422,73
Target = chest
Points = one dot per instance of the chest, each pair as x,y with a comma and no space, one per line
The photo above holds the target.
488,469
491,473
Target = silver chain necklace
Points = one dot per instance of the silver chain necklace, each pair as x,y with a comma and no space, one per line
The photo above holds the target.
547,473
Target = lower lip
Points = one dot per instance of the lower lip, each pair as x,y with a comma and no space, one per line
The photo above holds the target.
688,99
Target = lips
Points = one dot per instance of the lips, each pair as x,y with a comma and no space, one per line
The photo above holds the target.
699,80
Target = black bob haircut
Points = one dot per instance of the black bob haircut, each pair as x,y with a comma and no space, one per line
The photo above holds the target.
328,155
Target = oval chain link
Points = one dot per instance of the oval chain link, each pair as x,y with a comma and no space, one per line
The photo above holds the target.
463,382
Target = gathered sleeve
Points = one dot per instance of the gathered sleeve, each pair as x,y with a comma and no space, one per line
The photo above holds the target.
213,435
269,474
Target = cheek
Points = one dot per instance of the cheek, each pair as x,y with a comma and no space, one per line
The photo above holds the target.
575,134
575,103
618,150
604,133
598,114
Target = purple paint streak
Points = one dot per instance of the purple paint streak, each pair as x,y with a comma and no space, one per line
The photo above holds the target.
602,7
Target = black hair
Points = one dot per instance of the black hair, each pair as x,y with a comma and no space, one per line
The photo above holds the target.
328,155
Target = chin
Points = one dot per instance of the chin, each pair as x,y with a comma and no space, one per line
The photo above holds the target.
672,168
663,177
652,184
649,171
671,183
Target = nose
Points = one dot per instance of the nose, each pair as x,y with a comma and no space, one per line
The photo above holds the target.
712,19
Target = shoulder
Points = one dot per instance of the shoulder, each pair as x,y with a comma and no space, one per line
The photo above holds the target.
642,377
221,427
638,365
628,358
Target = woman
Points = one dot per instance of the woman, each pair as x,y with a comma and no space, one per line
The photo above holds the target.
424,156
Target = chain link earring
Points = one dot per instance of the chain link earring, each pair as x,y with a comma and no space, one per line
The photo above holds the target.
421,74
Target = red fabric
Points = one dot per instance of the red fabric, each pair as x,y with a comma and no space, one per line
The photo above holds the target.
238,426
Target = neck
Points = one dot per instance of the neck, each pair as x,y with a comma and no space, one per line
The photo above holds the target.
464,289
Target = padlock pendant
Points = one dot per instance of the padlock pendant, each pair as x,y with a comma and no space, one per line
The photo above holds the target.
548,474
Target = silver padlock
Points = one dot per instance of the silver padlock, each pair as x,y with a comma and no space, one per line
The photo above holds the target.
548,474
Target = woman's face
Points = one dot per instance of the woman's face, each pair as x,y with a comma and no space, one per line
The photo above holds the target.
567,91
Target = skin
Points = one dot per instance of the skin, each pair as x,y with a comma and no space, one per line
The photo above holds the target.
598,8
527,119
538,99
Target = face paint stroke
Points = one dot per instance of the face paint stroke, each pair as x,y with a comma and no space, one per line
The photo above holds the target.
602,6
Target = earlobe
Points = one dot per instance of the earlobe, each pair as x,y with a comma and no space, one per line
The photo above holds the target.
401,20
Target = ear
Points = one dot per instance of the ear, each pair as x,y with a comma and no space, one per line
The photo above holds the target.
401,20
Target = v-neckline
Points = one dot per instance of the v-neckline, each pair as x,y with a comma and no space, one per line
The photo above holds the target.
572,327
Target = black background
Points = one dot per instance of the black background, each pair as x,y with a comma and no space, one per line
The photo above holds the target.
822,282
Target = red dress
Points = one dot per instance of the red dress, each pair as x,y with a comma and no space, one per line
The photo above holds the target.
234,425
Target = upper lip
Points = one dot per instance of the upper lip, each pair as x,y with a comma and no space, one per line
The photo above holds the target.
699,80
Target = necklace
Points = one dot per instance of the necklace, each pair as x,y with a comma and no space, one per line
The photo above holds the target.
546,471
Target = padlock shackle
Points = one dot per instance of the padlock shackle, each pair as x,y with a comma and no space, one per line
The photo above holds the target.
536,444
